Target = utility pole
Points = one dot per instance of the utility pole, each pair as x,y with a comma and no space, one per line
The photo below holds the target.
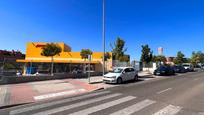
103,36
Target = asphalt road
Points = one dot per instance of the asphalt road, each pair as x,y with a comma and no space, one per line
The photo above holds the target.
172,95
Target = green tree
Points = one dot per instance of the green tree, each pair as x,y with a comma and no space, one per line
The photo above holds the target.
51,50
179,58
197,57
118,49
85,52
159,58
84,55
125,58
187,60
147,54
107,56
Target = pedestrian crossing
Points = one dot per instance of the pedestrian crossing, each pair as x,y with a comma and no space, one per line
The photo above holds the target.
169,110
134,108
60,109
94,103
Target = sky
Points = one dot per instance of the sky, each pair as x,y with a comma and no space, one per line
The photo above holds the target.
175,25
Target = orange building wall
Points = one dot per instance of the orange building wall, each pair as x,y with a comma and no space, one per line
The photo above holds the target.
34,49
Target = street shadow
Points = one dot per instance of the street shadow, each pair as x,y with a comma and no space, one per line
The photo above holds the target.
132,81
148,76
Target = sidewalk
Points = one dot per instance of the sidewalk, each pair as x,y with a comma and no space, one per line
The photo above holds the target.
43,90
51,89
145,74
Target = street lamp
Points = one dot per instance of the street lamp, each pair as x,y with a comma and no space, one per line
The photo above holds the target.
103,35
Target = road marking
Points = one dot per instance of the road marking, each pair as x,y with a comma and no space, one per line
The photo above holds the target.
169,110
63,108
201,113
196,79
103,106
35,107
53,95
134,108
164,90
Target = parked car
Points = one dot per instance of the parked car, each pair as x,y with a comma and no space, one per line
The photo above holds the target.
188,67
202,66
121,74
164,70
179,69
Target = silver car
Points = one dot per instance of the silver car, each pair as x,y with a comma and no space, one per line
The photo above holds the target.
121,74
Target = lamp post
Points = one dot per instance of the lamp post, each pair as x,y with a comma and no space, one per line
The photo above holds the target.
103,35
89,69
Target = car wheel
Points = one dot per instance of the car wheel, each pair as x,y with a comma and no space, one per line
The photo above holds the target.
173,73
136,78
119,80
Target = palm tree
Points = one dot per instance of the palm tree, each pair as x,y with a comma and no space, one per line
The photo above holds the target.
51,50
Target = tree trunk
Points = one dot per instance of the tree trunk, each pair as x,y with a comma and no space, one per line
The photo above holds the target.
52,65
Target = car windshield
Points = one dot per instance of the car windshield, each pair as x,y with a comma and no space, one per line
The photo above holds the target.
117,70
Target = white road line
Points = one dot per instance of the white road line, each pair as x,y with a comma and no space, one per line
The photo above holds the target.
134,108
35,107
196,79
53,95
63,108
169,110
103,106
164,90
201,113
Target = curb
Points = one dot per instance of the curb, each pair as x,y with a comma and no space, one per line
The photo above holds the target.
13,105
152,76
96,82
98,89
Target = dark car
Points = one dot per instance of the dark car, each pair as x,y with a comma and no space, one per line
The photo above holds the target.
202,66
164,70
179,69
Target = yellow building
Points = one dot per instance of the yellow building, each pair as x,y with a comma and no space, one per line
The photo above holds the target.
67,58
